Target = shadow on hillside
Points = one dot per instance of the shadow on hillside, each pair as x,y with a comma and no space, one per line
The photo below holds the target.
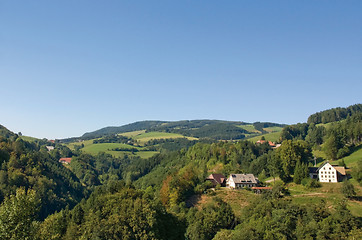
193,200
356,198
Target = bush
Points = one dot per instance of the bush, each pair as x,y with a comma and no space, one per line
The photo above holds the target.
310,183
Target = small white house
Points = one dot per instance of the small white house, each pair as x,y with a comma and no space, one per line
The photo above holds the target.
241,181
50,148
330,173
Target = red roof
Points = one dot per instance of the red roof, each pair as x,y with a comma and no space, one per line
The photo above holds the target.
65,160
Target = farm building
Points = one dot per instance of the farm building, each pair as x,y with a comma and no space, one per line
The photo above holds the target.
328,173
65,160
242,181
217,179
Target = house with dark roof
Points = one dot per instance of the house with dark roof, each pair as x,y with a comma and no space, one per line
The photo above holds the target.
217,179
328,173
242,181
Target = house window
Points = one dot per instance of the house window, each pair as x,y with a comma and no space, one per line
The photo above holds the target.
330,168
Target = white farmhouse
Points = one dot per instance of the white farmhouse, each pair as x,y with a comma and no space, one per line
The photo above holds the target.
331,173
241,181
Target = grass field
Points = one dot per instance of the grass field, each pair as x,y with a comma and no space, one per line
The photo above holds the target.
274,136
94,149
249,128
29,139
328,192
85,143
351,160
273,129
237,199
145,137
132,134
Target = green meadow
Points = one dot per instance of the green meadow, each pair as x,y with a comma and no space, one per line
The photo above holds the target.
274,136
107,148
273,129
145,137
250,128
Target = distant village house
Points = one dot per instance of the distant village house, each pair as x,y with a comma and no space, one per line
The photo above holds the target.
241,181
65,160
50,148
271,144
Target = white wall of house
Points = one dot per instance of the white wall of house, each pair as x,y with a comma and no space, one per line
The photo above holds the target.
230,182
327,173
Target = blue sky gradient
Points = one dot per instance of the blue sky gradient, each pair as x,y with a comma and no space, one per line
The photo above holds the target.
69,67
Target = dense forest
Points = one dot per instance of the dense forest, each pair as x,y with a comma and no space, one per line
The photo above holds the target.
105,197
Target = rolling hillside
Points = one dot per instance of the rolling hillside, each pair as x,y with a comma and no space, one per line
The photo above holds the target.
147,138
207,129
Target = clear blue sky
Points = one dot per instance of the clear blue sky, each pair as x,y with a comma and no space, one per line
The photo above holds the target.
69,67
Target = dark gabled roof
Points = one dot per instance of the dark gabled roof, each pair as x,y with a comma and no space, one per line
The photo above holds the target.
219,178
313,170
244,178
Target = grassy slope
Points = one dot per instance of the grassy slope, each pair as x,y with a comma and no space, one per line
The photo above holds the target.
328,192
274,136
94,149
106,147
145,137
273,129
132,134
249,128
351,160
29,139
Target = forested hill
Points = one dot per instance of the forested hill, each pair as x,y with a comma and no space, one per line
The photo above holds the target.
213,129
4,132
142,125
337,131
29,165
334,114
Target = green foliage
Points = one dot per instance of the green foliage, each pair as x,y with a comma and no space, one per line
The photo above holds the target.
113,212
205,223
114,138
282,219
298,131
357,172
30,165
300,172
18,215
291,152
348,189
310,183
